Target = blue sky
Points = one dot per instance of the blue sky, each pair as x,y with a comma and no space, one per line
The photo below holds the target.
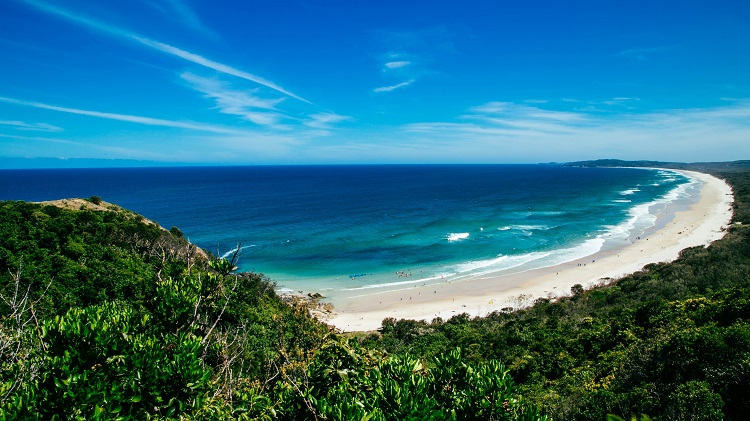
319,82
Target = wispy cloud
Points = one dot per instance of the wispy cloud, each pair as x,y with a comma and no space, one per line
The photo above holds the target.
183,13
244,104
509,132
621,101
591,105
219,67
408,54
508,111
149,121
42,139
41,127
325,120
397,64
158,46
393,87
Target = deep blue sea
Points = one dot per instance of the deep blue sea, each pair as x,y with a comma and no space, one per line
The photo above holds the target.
344,228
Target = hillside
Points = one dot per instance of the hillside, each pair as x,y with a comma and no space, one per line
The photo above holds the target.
710,167
104,315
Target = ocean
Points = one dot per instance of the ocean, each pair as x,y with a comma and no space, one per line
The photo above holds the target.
347,230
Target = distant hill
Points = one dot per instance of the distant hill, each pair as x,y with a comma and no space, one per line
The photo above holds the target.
695,166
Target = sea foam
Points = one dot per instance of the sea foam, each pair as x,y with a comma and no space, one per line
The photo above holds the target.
235,250
528,261
457,236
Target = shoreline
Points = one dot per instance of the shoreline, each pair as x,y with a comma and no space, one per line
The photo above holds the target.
674,230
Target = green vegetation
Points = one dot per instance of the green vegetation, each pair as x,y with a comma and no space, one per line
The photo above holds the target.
105,315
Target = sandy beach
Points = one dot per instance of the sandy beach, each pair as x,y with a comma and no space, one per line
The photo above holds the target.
674,230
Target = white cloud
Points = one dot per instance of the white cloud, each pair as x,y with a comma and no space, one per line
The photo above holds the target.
508,111
257,117
409,53
393,87
508,132
159,46
42,139
325,120
236,102
397,64
149,121
219,67
619,101
41,127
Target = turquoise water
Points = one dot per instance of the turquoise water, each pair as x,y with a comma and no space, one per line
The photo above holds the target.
354,228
